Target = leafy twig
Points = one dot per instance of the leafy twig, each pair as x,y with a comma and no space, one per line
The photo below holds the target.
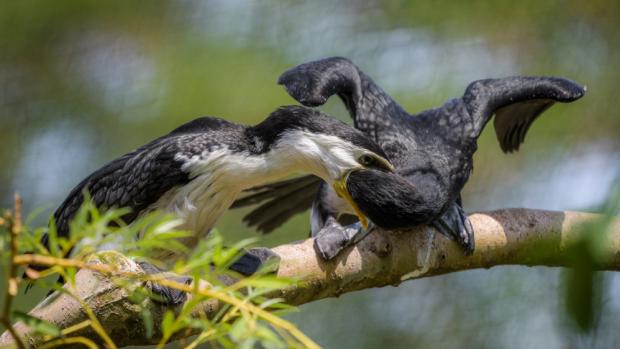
267,316
224,297
14,227
71,340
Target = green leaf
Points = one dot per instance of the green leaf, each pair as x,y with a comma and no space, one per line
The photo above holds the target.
268,282
53,239
248,343
168,245
32,216
167,226
167,323
147,318
271,302
239,329
40,326
583,284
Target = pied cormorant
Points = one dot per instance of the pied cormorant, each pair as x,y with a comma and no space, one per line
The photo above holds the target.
431,150
196,171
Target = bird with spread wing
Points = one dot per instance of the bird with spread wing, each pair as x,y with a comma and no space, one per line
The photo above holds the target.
432,152
196,171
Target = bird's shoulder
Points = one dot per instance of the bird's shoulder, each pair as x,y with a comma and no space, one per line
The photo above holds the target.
446,128
205,124
206,134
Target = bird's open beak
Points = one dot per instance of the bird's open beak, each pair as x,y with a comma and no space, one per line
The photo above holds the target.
340,187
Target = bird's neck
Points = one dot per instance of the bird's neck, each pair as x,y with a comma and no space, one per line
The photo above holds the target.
296,152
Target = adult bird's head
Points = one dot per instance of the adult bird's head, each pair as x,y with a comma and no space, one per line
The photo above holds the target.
311,141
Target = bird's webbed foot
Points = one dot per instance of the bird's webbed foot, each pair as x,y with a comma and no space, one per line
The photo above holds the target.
455,224
334,238
162,294
253,259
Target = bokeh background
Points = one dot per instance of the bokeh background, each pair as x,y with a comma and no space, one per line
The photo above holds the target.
84,82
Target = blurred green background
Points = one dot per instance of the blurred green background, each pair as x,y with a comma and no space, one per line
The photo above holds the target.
84,82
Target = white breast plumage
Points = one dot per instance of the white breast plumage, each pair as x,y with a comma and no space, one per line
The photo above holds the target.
202,201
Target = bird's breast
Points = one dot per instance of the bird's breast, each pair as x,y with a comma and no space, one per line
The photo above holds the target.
217,178
199,204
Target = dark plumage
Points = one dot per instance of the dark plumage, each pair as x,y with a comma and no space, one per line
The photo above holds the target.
197,170
431,150
391,201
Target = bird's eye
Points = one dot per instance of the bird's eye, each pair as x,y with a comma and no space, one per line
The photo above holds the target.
366,160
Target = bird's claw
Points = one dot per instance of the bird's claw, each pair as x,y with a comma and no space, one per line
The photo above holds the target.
362,232
467,233
255,258
333,239
455,225
165,295
330,242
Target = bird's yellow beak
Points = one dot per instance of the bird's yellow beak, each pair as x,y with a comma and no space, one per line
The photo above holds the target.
385,164
340,187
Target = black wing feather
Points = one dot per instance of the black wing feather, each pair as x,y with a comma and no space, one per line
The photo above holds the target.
516,102
265,192
135,180
272,214
512,122
279,202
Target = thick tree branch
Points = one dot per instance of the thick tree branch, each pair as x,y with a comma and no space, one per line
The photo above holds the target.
503,237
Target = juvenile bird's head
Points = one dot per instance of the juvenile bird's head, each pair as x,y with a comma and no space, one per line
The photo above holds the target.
314,142
392,201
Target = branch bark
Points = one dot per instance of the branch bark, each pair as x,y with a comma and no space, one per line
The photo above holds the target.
503,237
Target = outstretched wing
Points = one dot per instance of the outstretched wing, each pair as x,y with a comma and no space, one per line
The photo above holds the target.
278,201
138,179
516,103
313,83
135,180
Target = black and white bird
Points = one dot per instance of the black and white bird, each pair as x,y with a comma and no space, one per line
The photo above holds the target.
196,171
432,151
